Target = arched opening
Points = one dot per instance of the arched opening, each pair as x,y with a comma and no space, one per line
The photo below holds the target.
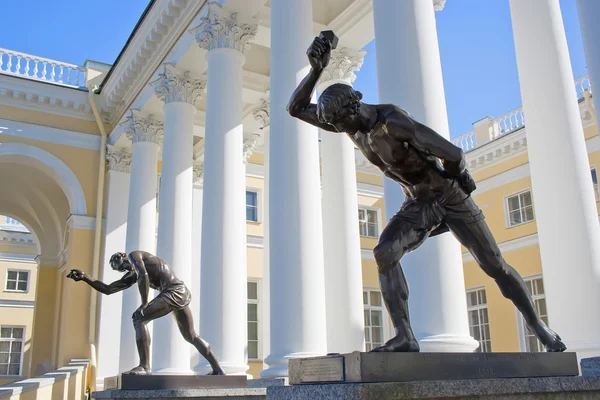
39,195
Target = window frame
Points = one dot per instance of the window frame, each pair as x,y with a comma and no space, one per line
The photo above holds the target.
23,340
386,327
507,209
477,308
378,217
258,204
258,322
521,327
17,270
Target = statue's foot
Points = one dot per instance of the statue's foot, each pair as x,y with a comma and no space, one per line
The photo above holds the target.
398,344
139,370
549,338
217,372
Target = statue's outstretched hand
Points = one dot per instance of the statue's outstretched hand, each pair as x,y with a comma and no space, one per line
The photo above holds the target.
76,275
319,53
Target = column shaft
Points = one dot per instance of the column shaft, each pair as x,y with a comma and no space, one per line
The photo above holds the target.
141,235
410,76
223,294
567,224
295,215
589,15
170,352
196,261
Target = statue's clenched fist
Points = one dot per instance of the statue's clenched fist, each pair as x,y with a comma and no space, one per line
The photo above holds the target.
319,53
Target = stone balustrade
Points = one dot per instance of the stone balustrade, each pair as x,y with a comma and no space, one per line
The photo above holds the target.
511,121
41,69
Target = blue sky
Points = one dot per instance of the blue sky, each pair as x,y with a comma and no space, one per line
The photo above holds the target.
475,38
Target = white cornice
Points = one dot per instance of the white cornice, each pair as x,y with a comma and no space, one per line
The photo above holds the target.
367,254
161,29
49,134
508,246
18,239
17,303
18,257
81,222
44,97
366,189
497,150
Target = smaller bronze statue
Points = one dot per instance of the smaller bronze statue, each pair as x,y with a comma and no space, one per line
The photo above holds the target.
150,271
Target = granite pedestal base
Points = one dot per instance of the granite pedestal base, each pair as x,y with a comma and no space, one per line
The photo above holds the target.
562,388
166,382
409,367
175,394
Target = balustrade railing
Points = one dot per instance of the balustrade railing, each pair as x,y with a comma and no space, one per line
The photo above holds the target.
41,69
513,120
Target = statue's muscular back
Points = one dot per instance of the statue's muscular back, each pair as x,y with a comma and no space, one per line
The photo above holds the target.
416,171
159,273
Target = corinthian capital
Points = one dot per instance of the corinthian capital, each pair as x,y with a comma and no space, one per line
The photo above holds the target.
119,159
141,128
221,29
174,85
342,65
261,113
438,5
198,173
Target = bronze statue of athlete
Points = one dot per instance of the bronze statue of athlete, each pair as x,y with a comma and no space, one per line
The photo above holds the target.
432,174
153,272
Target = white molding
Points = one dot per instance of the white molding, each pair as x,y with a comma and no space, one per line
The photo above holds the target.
496,181
49,134
17,304
254,241
48,163
19,257
81,222
367,254
369,190
255,170
45,97
509,245
18,239
498,150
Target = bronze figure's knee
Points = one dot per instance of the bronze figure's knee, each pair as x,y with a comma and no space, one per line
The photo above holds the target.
385,256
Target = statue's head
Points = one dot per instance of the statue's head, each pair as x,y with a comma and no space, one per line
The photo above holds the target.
338,106
119,262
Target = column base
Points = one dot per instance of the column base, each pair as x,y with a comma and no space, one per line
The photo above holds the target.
448,344
278,365
203,368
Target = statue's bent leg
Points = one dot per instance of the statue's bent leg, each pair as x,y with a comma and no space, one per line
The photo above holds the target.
402,235
476,236
155,309
186,327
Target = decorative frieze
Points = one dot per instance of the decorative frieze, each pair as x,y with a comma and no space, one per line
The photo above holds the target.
119,159
177,86
261,113
221,29
342,65
142,128
198,173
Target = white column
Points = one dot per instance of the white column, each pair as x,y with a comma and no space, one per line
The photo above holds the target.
145,134
343,263
194,286
115,234
567,224
179,91
589,15
261,114
223,300
409,75
295,215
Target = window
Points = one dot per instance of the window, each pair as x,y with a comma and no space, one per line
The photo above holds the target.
374,327
535,286
479,323
520,208
367,222
251,206
253,352
11,350
595,180
17,281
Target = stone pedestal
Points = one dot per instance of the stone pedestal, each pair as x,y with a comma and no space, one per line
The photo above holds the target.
411,367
